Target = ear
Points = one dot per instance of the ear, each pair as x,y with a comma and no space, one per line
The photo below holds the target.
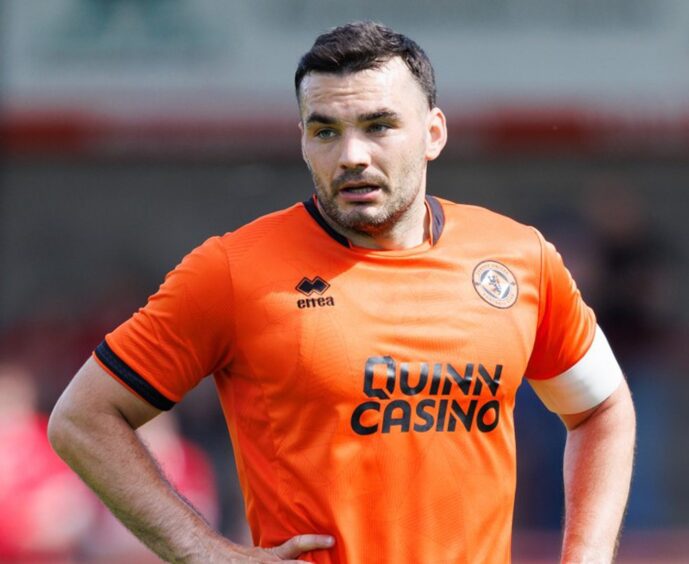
436,133
300,125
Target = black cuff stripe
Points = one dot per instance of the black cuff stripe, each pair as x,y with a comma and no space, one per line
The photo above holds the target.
118,367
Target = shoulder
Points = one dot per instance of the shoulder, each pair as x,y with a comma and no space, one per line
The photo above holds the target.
468,222
274,231
212,259
477,215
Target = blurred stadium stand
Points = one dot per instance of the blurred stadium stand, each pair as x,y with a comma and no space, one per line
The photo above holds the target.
134,130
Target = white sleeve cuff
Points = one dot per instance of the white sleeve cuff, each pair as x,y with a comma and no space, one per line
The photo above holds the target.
586,384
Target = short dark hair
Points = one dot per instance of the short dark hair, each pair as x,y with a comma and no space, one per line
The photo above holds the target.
365,45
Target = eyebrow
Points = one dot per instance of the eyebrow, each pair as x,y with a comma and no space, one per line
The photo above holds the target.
316,117
380,114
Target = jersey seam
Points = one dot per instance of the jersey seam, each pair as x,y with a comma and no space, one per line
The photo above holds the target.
233,326
278,471
540,292
540,277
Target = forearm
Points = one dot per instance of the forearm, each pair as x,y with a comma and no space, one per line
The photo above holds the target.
597,473
105,451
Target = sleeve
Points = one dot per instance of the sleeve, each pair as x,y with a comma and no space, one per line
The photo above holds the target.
184,332
572,367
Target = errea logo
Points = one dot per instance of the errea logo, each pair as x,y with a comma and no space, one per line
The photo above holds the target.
308,287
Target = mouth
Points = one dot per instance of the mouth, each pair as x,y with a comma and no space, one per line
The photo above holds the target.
359,189
359,193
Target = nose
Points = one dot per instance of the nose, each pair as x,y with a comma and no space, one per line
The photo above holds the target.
354,152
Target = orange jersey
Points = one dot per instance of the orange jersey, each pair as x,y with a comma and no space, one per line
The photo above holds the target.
369,394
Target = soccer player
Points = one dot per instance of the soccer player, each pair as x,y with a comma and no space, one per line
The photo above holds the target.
367,345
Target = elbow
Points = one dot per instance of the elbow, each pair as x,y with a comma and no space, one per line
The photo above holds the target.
60,430
56,433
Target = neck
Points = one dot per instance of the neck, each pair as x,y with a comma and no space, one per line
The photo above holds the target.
411,230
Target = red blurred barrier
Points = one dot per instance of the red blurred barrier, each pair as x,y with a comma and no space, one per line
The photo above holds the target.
531,130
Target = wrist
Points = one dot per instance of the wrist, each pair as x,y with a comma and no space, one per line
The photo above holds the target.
584,553
207,549
588,558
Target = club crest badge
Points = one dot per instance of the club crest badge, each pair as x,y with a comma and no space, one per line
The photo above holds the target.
496,284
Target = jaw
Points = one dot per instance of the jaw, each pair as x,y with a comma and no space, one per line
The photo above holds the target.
378,217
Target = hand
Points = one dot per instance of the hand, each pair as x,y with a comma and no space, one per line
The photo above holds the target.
286,552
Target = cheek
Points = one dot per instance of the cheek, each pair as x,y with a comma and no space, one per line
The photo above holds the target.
319,168
405,154
317,157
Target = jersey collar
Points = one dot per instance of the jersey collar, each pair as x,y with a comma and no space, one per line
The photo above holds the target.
432,204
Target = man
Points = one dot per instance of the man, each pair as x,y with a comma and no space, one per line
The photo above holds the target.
367,346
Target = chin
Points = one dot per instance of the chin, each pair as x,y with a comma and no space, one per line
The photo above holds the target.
371,224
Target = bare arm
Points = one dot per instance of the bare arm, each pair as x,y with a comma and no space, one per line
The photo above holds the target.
597,473
92,429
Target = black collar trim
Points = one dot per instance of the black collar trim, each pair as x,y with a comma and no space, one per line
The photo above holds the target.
312,208
437,220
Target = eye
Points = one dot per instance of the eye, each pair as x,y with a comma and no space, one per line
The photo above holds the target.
324,134
378,127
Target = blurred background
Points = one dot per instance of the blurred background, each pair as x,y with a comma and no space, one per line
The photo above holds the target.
135,129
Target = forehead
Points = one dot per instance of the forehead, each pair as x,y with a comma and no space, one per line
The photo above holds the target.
391,85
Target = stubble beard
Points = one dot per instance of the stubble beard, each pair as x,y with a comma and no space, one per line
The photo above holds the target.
359,218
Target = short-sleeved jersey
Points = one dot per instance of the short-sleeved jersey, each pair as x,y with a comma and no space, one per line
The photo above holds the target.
369,394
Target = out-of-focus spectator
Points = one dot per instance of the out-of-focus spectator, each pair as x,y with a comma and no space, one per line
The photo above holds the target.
38,354
540,435
186,467
623,267
44,508
53,342
637,301
636,306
